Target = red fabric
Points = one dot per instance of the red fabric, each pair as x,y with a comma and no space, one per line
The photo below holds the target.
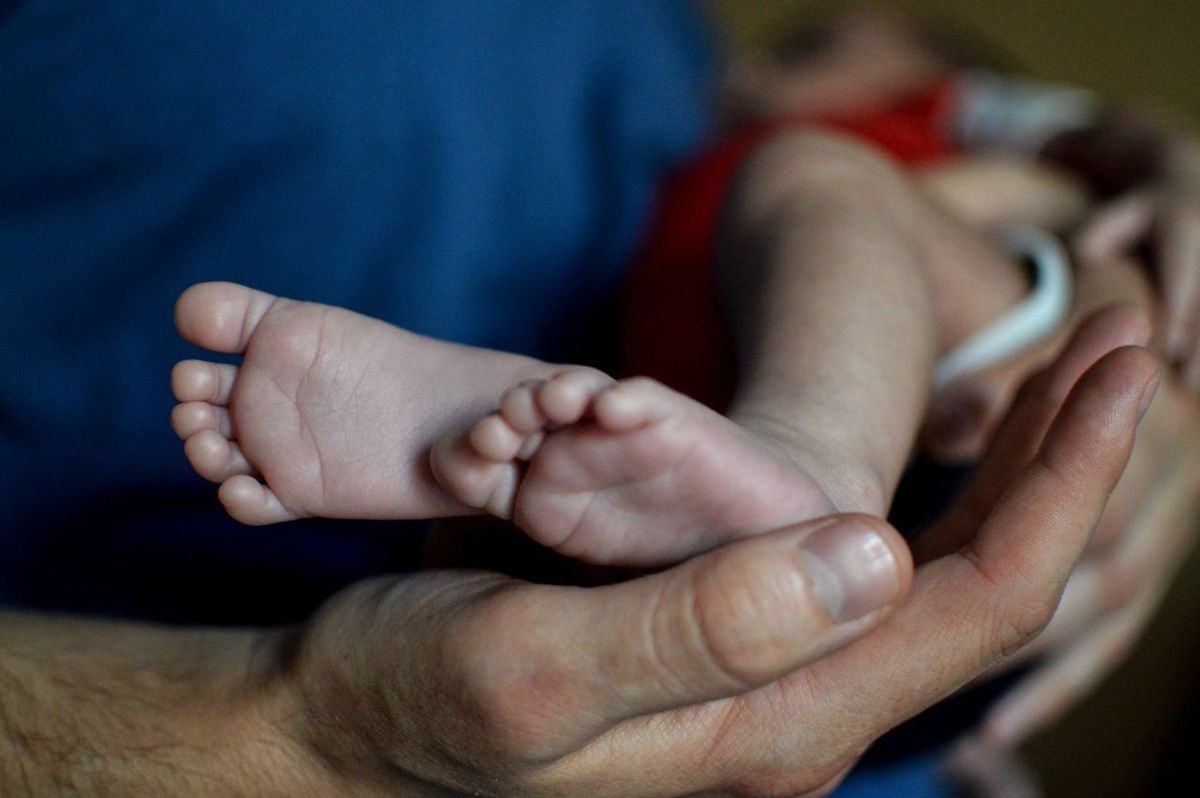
674,329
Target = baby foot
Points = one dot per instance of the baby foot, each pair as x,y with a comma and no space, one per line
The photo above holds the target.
330,413
626,472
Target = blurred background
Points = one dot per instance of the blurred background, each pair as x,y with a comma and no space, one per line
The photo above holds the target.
1141,52
1134,736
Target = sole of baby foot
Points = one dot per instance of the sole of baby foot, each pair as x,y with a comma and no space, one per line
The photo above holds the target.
329,413
627,472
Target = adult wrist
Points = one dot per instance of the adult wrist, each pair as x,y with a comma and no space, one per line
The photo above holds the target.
324,707
101,707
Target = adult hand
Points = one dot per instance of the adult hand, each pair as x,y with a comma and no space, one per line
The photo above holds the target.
1167,216
964,416
1146,532
726,674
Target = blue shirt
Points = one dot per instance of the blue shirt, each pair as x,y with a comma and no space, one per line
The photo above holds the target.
475,171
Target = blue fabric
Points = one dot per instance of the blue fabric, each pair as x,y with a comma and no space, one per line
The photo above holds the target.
914,777
476,171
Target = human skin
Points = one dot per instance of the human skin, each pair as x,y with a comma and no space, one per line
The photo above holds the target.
1145,536
721,675
1144,165
1149,524
843,280
1147,530
845,283
1163,213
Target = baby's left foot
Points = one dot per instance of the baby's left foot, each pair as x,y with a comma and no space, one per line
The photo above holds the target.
626,472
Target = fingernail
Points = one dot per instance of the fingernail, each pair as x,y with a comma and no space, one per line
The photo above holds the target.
1148,392
851,570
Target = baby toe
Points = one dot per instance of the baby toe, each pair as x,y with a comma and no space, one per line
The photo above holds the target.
215,457
519,407
251,502
567,398
494,439
633,402
189,418
202,381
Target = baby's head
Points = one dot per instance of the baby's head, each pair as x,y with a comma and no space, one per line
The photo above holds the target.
839,61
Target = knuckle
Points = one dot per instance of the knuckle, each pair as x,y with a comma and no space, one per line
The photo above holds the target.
1023,618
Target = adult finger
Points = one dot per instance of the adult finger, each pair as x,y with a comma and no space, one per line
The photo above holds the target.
1067,678
1022,430
1150,461
1123,590
1116,228
1154,537
1159,535
1179,277
718,625
963,417
1079,462
1165,466
1007,579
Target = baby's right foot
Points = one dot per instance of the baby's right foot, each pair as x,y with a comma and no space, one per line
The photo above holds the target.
329,413
629,472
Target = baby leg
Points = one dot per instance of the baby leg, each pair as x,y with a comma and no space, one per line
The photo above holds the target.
844,283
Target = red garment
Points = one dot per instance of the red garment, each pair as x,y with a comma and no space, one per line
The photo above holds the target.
674,329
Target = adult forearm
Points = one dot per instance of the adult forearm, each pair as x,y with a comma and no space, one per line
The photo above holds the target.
114,708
